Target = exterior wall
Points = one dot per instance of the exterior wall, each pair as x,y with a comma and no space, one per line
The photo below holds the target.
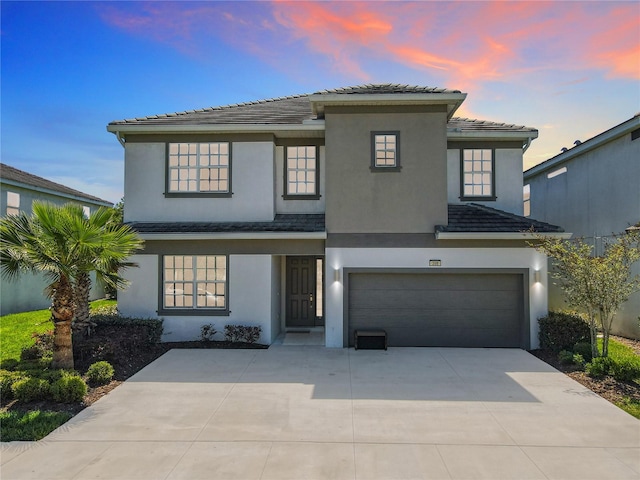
298,206
252,184
486,258
250,298
26,293
508,176
359,200
597,196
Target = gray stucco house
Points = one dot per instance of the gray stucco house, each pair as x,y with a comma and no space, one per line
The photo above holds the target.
593,190
366,207
18,191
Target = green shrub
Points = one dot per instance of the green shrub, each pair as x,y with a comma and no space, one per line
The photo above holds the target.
69,388
100,373
29,389
578,359
242,333
624,370
7,379
565,357
584,349
598,367
150,329
207,332
561,331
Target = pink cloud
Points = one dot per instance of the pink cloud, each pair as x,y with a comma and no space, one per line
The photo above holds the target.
462,44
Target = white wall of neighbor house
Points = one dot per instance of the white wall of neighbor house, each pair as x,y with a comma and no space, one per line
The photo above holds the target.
251,183
508,178
250,298
297,206
486,258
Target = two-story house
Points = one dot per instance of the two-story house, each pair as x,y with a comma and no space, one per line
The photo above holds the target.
18,191
593,190
361,207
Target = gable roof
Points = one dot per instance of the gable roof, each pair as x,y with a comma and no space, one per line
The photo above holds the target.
476,218
307,108
20,178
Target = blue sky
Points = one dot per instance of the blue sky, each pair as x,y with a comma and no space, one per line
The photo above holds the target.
570,69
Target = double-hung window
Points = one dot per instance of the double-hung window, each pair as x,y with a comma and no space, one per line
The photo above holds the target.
477,180
13,203
195,284
199,168
385,151
301,172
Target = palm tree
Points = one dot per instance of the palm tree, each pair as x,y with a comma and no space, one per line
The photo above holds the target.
62,243
118,243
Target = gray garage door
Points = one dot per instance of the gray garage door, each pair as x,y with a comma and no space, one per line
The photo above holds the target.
440,309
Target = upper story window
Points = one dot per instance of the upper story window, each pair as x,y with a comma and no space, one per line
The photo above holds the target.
86,210
477,180
526,198
195,282
199,168
13,203
301,172
385,151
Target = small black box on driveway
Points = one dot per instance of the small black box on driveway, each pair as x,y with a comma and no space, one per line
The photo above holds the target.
370,339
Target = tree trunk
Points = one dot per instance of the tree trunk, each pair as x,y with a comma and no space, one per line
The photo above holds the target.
62,311
82,322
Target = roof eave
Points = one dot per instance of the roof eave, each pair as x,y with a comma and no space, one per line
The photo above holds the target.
155,128
499,235
590,144
451,99
235,236
493,135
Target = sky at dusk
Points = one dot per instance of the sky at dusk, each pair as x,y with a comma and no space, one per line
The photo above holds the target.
570,69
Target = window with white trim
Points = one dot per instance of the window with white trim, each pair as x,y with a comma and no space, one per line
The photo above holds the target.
526,197
86,210
385,151
13,203
477,173
301,171
199,167
195,282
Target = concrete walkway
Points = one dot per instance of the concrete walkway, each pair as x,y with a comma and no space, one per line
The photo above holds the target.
296,412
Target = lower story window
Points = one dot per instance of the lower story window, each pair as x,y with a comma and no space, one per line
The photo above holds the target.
195,282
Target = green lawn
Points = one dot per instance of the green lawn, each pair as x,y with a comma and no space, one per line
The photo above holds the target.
16,329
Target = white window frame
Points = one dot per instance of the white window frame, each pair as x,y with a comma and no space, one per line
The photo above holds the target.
199,169
13,203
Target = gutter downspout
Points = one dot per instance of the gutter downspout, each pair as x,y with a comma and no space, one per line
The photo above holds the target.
120,138
524,149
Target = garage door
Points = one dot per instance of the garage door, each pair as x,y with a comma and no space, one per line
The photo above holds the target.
440,309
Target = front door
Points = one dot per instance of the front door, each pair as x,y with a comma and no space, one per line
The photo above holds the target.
301,291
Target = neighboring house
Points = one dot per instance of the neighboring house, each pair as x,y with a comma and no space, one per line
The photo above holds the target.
593,190
18,191
361,207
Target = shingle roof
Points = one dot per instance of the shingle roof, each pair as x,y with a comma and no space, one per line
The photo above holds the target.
8,172
459,124
281,223
293,109
473,217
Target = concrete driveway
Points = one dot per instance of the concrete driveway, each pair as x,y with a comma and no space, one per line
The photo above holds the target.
293,412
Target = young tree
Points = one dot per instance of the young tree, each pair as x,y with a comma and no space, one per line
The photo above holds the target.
598,285
61,243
